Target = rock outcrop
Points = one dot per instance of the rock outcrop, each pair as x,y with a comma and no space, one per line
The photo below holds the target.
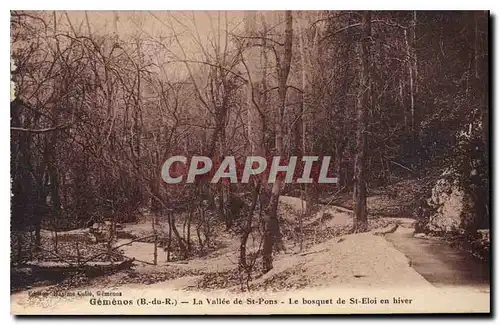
447,203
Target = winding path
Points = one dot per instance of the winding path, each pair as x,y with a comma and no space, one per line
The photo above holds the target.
439,263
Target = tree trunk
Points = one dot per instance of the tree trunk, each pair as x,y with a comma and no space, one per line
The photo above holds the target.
411,54
363,100
248,228
255,130
305,117
272,233
169,242
180,240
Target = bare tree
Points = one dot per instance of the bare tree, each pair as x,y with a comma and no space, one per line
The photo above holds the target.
272,233
362,105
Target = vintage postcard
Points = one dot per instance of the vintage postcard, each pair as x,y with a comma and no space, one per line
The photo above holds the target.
249,162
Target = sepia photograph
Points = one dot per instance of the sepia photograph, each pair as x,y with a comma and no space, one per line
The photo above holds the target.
250,162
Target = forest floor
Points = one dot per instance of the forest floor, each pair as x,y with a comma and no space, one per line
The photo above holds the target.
330,258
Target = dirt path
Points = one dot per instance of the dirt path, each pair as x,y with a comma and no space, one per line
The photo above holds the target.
439,263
